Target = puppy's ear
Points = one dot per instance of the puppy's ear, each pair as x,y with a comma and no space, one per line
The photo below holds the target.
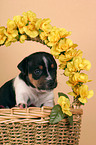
23,66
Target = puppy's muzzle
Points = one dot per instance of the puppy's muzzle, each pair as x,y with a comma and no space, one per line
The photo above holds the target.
51,84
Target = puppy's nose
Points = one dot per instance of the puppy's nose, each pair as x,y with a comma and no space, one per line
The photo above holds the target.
50,83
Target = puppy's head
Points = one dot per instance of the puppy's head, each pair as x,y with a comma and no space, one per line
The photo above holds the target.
40,69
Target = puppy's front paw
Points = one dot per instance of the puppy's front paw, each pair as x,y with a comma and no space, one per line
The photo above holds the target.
22,105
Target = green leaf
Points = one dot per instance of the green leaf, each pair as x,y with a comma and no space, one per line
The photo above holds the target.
82,103
40,31
62,94
56,114
70,118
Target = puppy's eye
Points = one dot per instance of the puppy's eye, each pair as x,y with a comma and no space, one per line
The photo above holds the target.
37,72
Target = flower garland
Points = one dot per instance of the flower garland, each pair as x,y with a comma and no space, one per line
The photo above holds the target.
29,27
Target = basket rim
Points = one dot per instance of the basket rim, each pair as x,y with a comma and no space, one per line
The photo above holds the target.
32,114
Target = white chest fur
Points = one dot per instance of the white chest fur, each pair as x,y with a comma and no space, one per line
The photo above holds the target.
27,95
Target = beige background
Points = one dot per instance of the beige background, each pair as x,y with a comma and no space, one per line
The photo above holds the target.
78,16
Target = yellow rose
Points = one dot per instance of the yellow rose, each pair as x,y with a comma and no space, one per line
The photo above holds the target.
85,94
53,37
70,69
81,63
20,22
63,65
61,46
23,38
31,31
11,26
83,78
65,105
30,16
54,51
43,36
86,64
76,78
75,92
56,34
38,24
11,35
64,33
9,40
65,58
44,25
2,35
11,30
64,44
70,53
77,64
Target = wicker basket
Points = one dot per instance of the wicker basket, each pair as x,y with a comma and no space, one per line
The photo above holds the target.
31,127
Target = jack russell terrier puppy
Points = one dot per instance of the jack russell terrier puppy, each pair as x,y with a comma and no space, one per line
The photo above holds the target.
34,85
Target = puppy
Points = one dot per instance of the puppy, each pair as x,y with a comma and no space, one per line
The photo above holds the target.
34,85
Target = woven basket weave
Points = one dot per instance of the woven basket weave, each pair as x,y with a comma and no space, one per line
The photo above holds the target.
31,127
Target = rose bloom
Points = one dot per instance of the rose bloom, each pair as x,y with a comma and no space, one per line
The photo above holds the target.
44,25
65,105
23,38
55,52
31,31
78,63
2,35
69,54
11,32
70,69
81,63
20,22
76,78
85,94
64,44
53,36
30,16
76,91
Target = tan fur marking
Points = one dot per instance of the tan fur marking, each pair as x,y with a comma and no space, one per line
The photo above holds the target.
52,65
41,67
34,82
